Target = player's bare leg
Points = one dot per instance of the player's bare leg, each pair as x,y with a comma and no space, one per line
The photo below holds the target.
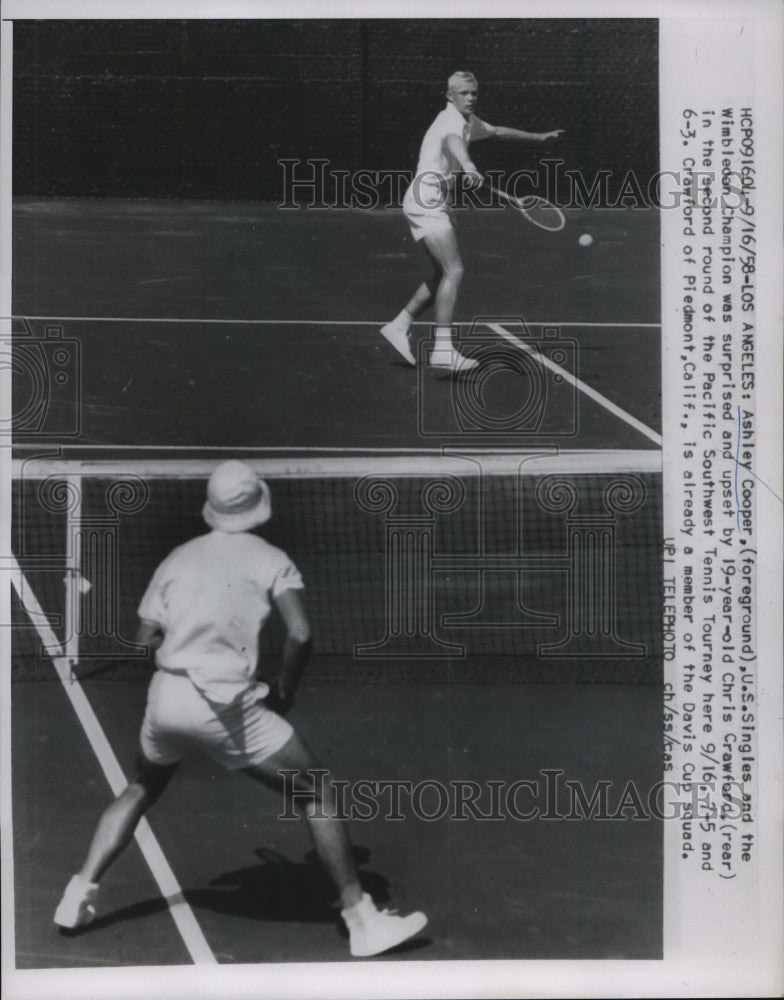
397,332
328,833
440,290
445,253
370,931
424,297
112,835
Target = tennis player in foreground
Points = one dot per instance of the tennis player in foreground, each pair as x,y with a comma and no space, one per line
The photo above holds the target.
202,613
426,206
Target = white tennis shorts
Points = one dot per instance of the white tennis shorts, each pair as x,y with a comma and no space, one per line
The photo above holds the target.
179,719
427,209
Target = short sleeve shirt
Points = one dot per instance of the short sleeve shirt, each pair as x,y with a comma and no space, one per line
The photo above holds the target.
434,156
211,597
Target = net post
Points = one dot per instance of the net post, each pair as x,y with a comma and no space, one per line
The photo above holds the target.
73,566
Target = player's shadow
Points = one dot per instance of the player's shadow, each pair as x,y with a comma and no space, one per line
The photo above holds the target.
279,889
276,889
135,911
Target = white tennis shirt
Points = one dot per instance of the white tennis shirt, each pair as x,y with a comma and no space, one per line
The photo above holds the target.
211,596
434,156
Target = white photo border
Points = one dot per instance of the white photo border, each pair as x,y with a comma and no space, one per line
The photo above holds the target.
708,951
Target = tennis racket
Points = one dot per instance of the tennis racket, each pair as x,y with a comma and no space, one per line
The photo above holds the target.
537,210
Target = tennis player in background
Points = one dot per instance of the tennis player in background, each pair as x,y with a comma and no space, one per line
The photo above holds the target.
426,206
202,613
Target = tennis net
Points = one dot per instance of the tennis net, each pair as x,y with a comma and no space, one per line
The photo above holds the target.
543,567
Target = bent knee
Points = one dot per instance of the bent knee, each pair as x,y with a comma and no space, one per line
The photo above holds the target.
315,781
134,797
150,780
322,803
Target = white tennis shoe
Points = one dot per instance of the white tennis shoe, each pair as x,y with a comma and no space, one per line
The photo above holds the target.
451,359
372,931
399,339
77,907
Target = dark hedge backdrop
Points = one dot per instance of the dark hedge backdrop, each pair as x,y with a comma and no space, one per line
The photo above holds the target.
206,109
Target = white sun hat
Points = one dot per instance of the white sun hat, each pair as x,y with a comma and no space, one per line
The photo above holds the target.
237,500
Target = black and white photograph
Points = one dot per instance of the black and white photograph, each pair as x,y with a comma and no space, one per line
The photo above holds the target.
387,456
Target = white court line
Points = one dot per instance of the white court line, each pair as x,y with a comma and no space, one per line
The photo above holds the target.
578,384
308,322
183,916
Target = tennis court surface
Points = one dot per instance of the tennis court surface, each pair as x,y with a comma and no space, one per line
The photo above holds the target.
192,326
504,889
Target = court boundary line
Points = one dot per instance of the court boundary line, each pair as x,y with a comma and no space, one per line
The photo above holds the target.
308,322
182,914
578,384
460,462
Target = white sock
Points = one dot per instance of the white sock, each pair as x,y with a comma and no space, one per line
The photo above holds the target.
443,336
403,320
364,908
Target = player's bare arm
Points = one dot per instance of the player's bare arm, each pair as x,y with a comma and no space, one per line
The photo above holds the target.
458,147
504,133
297,645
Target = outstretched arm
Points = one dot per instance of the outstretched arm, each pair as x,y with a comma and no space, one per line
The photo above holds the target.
501,132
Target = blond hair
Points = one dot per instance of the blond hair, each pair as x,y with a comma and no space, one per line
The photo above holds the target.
460,76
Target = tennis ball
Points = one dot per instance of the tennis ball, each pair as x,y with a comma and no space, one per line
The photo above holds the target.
585,240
